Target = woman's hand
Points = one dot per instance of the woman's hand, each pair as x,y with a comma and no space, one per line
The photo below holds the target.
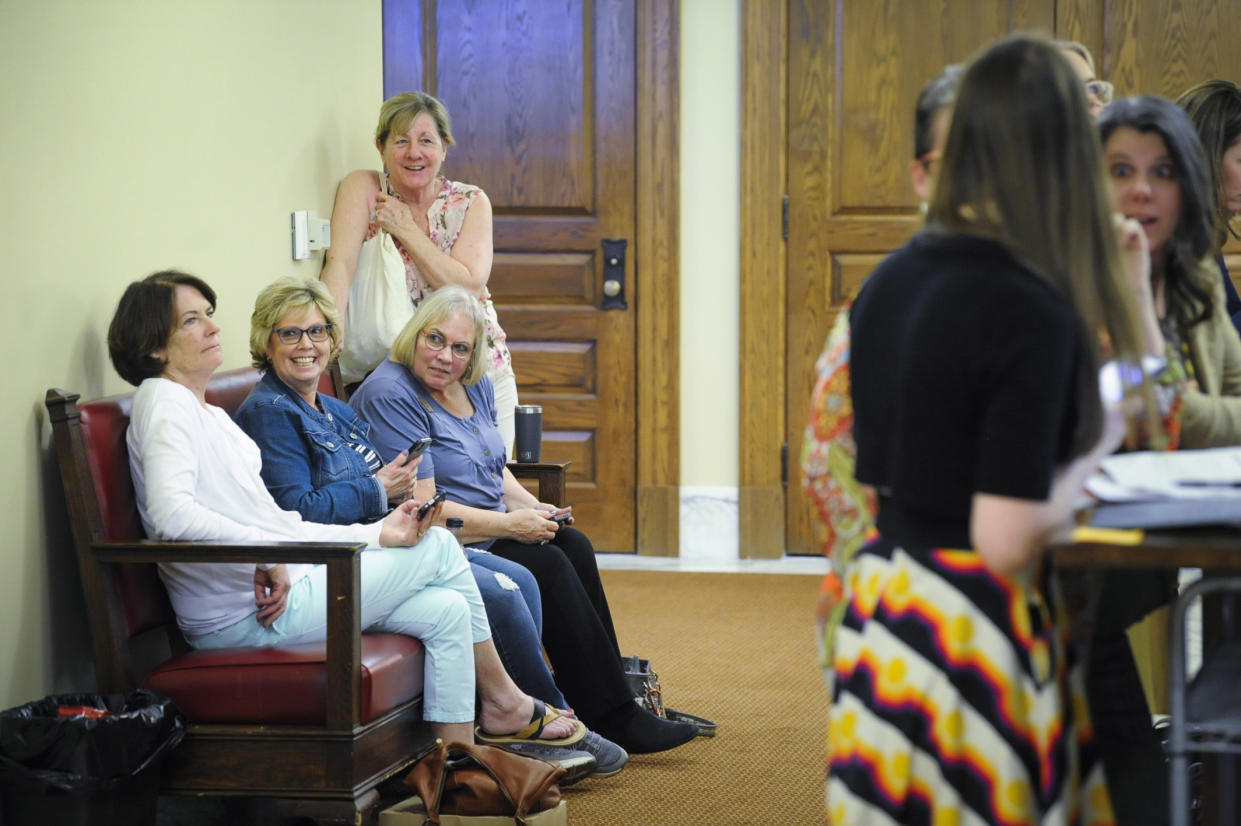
403,528
1135,255
530,525
271,593
399,478
395,216
551,509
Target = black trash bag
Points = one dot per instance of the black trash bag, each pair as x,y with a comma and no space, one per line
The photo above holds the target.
102,756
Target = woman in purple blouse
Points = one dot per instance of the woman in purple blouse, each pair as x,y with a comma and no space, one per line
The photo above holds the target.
434,385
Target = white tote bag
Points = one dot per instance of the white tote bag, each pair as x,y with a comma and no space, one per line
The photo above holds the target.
379,307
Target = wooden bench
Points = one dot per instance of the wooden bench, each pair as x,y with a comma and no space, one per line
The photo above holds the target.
309,730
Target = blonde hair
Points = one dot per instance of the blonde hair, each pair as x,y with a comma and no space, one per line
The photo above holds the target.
278,299
399,111
437,308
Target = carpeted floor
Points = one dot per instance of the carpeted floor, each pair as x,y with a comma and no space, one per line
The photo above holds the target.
739,649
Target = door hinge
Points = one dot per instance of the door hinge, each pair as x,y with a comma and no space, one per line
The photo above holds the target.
784,218
784,463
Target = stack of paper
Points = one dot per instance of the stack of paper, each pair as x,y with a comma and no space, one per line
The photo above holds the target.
1166,489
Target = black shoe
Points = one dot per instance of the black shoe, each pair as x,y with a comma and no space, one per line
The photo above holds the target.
638,731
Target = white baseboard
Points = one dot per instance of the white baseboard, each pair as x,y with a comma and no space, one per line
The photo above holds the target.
709,524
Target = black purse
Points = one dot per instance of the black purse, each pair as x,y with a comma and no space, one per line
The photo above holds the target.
644,683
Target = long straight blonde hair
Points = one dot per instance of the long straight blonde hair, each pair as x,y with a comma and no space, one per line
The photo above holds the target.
1023,166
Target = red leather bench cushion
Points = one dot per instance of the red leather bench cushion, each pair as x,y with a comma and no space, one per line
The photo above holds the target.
286,685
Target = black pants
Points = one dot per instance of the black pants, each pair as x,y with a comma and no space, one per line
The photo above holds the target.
1133,758
578,634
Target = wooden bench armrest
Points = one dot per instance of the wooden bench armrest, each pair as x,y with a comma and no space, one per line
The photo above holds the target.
550,476
343,645
152,551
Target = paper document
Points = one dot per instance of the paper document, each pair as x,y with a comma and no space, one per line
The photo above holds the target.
1183,474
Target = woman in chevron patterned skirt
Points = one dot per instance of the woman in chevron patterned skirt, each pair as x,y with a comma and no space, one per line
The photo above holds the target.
975,360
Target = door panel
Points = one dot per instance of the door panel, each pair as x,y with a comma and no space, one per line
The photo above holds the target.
541,94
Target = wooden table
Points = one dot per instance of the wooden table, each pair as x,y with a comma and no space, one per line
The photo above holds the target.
1212,549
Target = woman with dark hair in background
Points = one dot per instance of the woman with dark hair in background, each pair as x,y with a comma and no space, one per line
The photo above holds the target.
1214,106
1157,171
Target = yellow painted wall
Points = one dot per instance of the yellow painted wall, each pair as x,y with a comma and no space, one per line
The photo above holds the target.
139,135
710,246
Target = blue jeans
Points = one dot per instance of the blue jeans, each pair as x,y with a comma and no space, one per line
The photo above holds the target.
426,591
514,609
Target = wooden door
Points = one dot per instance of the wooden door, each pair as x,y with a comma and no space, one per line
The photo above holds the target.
542,99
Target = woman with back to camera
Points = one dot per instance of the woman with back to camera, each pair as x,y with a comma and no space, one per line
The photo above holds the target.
1157,171
975,359
442,228
196,477
319,461
434,386
1214,107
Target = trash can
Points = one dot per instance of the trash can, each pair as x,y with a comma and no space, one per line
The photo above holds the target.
86,759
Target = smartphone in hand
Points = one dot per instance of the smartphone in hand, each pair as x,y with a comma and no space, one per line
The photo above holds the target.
417,449
561,515
430,503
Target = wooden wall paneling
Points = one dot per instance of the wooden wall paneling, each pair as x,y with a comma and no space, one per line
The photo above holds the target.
762,323
657,279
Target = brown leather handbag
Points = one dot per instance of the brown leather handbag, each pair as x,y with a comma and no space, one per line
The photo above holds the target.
465,779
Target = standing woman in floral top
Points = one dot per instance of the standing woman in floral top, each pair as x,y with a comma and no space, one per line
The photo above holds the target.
442,228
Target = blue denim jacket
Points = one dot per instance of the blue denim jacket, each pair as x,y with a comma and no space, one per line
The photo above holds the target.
307,464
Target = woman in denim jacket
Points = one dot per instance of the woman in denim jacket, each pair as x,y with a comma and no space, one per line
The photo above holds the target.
318,461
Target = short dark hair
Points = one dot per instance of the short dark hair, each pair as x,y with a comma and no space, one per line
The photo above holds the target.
1193,236
144,320
1214,106
937,95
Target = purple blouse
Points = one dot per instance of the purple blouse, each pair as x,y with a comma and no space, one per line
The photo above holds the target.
467,455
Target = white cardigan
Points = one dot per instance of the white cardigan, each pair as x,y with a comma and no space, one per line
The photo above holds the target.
196,476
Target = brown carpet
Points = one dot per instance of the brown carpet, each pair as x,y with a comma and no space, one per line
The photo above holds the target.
739,649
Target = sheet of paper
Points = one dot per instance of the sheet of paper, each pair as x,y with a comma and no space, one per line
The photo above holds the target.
1181,473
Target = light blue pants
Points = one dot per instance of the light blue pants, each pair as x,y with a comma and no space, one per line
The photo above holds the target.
426,591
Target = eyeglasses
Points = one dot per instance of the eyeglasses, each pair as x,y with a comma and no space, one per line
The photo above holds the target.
1102,91
437,342
293,335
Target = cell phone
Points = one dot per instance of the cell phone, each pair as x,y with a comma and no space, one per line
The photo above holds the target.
418,448
561,515
439,496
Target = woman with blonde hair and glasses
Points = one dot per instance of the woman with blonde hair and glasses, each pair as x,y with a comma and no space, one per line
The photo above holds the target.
977,415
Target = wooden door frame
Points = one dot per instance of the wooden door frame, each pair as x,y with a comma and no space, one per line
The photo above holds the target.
763,323
657,278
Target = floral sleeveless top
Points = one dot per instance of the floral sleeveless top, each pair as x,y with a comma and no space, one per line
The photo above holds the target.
444,219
